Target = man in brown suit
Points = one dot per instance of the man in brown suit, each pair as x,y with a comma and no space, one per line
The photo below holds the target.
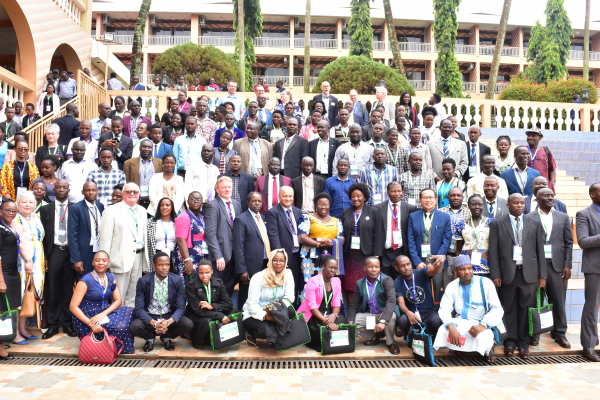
141,170
255,152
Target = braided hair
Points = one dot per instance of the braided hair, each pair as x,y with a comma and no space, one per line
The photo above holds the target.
503,137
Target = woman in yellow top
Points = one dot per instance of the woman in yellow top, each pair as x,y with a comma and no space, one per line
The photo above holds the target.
18,175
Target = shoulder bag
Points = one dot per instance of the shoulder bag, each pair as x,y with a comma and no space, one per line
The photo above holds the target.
8,323
94,351
540,317
29,306
421,344
338,342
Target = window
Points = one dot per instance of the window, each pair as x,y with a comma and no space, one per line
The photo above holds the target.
314,72
171,31
411,38
274,33
120,31
579,46
376,38
218,32
462,40
415,75
322,35
466,77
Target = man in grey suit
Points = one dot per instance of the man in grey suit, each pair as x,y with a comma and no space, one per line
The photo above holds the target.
219,215
588,238
516,266
494,205
558,249
447,147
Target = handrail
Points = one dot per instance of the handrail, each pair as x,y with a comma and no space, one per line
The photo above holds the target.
37,129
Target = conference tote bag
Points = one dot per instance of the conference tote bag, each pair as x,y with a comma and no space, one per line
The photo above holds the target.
8,323
223,335
540,317
298,335
421,345
338,342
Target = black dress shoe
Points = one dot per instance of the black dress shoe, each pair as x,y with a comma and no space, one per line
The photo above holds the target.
7,346
149,346
49,333
509,351
590,355
524,354
398,332
6,358
562,342
374,340
535,340
394,348
169,345
69,331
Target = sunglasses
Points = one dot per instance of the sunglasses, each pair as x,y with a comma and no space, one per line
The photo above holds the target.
131,192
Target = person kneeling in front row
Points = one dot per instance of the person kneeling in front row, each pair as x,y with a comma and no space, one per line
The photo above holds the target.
207,301
160,305
372,306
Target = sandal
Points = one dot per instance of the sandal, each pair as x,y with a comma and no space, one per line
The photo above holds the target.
251,342
491,358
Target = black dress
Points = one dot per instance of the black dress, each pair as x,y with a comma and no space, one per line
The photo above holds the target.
9,252
314,325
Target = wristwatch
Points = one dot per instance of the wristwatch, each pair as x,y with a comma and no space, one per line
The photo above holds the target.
154,326
382,321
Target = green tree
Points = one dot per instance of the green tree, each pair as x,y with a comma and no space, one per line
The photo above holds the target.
389,17
360,29
138,41
445,28
559,29
252,28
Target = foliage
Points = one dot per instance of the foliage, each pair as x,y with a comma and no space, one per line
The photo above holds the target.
522,88
538,33
194,60
445,27
138,40
389,17
559,28
562,91
253,25
362,74
360,29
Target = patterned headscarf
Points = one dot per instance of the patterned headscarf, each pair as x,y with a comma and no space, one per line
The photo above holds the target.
270,278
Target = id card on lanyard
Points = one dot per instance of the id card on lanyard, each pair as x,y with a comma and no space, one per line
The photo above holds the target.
355,239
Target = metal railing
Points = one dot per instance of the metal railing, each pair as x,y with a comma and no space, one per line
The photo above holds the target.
272,80
578,55
525,49
464,49
124,39
299,81
506,51
225,41
168,40
469,87
483,86
415,47
345,44
379,46
420,85
271,42
317,43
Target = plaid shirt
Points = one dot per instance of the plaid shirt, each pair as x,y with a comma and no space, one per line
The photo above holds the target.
235,193
377,181
106,183
161,288
397,158
207,129
360,157
412,186
424,150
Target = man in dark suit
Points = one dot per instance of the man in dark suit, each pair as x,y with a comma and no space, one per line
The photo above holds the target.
541,183
158,313
242,182
85,217
252,244
252,116
69,125
367,130
282,228
219,215
307,186
429,234
60,275
522,183
475,152
394,224
270,184
322,150
131,122
121,144
558,249
516,267
159,148
494,206
291,149
331,103
588,238
358,109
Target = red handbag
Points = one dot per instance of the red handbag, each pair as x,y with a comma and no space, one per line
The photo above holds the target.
94,351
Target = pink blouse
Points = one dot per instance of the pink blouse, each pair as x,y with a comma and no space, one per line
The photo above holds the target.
314,295
183,228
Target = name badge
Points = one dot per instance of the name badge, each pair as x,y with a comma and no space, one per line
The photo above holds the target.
104,320
204,248
61,232
354,170
548,250
412,202
472,170
370,322
95,246
518,254
355,242
425,250
48,107
475,258
452,248
187,164
397,238
377,198
418,315
145,191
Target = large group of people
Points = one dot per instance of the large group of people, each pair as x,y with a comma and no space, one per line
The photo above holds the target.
352,216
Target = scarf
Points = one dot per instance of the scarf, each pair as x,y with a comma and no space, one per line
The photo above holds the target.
270,278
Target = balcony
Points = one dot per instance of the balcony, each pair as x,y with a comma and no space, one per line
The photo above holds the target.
379,46
168,40
272,80
420,85
414,47
506,51
345,44
461,49
299,81
124,39
272,42
578,55
217,41
470,87
317,43
483,86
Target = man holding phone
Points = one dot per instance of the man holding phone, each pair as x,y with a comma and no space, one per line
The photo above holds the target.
122,145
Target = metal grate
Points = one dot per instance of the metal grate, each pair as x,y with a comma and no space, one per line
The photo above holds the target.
72,362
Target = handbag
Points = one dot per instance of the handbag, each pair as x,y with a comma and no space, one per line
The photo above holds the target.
94,351
29,306
499,331
540,317
223,335
8,323
298,335
421,344
338,342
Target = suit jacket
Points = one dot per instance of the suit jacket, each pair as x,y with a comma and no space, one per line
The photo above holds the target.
332,114
217,158
441,235
264,189
588,239
361,115
367,132
195,292
42,152
333,145
79,230
139,86
47,216
125,146
501,208
386,215
132,169
219,228
296,151
244,149
369,228
197,178
278,228
145,290
241,124
246,185
558,205
268,113
318,182
390,109
458,152
127,124
69,129
501,250
561,239
249,251
483,150
13,128
162,150
513,185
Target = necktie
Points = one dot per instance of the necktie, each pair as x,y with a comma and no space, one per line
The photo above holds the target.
155,151
263,233
291,222
261,114
491,208
394,227
473,154
209,189
62,224
446,151
519,231
94,212
230,212
254,148
275,200
222,166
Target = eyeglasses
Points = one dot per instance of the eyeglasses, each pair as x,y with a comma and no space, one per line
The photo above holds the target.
194,200
131,192
9,211
428,198
22,149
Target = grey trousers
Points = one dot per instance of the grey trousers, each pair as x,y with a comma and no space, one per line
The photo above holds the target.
448,273
361,323
556,290
127,281
589,316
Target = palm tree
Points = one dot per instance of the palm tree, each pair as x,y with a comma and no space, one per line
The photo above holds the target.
499,43
138,40
393,39
307,22
586,42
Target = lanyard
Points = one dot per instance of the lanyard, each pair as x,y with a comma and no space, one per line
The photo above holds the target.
208,293
516,231
344,134
21,171
425,221
327,300
354,151
372,294
134,216
161,296
16,235
533,154
356,219
412,180
476,231
443,195
394,217
146,168
323,146
413,290
543,224
196,220
106,177
394,159
64,214
473,154
55,151
165,230
378,177
104,288
516,169
275,293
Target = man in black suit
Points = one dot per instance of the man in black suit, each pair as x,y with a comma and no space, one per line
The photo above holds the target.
291,150
331,103
251,117
394,224
252,244
367,130
322,150
494,206
307,186
282,228
242,183
121,144
516,267
475,153
531,204
60,275
69,125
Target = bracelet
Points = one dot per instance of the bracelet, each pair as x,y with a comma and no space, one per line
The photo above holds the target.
189,258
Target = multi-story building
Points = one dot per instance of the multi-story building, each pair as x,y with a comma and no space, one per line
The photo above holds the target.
280,50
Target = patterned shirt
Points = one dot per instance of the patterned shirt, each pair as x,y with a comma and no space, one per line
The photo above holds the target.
457,218
341,133
207,129
397,158
377,182
67,89
106,183
358,157
159,304
235,193
376,145
424,150
507,164
412,185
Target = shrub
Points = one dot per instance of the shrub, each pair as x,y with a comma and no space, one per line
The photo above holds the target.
563,91
522,88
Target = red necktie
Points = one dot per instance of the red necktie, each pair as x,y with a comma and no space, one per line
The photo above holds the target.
274,193
394,227
230,213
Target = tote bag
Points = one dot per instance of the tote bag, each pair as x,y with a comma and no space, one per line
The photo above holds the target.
29,306
94,351
338,342
421,344
298,335
540,317
227,335
8,323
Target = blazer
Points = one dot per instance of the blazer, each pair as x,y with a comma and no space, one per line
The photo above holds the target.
588,239
244,149
138,86
318,183
245,186
362,116
249,251
278,228
162,150
42,152
513,185
47,216
458,152
385,297
241,124
500,258
332,114
13,128
117,237
386,215
69,129
558,205
127,124
79,230
132,169
441,235
369,227
296,151
219,229
483,151
312,152
264,189
145,290
268,113
195,292
367,132
125,147
561,239
314,295
55,104
390,108
217,158
501,208
196,178
155,192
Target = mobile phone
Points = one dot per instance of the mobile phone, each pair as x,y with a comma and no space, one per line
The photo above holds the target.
462,340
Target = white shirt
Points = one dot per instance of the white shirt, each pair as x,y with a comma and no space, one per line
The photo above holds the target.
91,149
57,218
308,193
254,215
534,204
295,225
231,204
321,162
94,217
255,152
390,221
269,181
76,174
469,148
495,204
514,221
521,177
161,226
286,144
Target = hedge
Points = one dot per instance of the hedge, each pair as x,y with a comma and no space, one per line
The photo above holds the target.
561,91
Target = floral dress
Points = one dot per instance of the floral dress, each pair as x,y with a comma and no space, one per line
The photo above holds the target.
33,234
476,239
198,251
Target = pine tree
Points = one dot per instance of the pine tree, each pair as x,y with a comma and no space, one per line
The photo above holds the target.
252,28
360,29
445,28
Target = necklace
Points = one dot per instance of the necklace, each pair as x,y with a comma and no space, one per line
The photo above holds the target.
50,181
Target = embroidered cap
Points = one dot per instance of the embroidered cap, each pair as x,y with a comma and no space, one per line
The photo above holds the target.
461,260
535,129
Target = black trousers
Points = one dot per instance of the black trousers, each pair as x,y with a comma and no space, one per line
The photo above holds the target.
140,329
556,289
144,203
228,275
200,332
516,297
388,261
430,318
243,289
256,328
60,279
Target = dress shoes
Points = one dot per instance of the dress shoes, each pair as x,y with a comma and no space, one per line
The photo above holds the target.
398,332
394,348
491,357
524,354
590,355
535,340
49,333
169,345
562,342
509,351
198,346
6,358
69,331
149,346
374,341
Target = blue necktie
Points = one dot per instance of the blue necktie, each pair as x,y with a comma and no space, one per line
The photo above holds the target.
446,151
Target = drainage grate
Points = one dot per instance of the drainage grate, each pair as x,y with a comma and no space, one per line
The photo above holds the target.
72,362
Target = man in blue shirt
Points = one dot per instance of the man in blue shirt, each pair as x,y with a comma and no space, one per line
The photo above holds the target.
67,88
238,102
337,187
98,123
188,148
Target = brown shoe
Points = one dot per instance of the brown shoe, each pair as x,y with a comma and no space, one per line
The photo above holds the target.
562,342
398,332
535,340
590,355
509,351
394,348
491,358
524,354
